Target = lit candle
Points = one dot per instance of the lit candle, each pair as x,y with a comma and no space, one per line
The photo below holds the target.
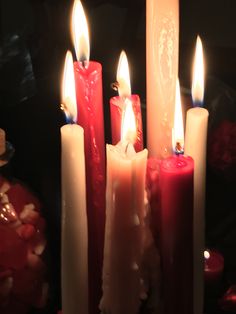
162,48
125,212
176,226
195,146
213,267
118,104
88,81
74,218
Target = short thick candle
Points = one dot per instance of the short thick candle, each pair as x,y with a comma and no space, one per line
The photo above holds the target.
213,267
125,214
118,105
116,110
125,220
176,184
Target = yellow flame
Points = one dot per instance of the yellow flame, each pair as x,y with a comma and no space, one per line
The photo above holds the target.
80,33
68,88
198,73
178,131
206,254
123,76
128,127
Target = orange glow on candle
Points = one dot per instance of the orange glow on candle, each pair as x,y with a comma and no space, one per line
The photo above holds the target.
68,89
123,76
198,74
80,33
178,130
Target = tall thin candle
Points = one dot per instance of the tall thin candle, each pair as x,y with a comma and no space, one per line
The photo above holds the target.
195,146
88,81
74,218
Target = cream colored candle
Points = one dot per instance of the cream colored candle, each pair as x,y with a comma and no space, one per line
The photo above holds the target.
125,211
162,51
74,270
195,146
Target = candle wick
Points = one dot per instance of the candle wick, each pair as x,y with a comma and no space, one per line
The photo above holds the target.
69,117
115,86
179,150
84,62
126,148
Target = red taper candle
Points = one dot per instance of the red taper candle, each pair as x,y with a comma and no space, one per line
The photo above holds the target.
88,81
176,225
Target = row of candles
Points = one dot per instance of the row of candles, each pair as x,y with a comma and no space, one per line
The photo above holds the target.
181,184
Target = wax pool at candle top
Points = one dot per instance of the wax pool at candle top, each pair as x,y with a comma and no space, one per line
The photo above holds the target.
177,163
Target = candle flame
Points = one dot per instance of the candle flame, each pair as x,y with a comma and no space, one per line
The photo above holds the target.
178,130
198,74
123,76
128,127
206,254
68,89
80,33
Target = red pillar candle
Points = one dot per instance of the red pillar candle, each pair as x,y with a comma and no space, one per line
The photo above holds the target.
176,223
176,184
213,267
118,104
88,81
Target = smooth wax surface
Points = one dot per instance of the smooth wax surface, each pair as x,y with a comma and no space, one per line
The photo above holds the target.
195,146
74,251
162,55
176,228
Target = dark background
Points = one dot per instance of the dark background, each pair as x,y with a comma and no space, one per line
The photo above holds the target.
34,36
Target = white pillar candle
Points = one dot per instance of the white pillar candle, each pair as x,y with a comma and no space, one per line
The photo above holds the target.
125,211
74,270
162,50
195,146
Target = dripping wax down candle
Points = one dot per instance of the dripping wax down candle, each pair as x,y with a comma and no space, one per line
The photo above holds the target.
88,82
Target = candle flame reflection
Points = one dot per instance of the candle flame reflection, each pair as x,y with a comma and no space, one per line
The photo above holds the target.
123,76
128,127
68,89
178,130
80,33
198,74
